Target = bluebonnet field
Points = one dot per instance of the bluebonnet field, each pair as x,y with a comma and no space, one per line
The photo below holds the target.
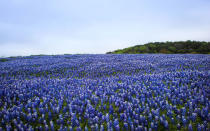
105,92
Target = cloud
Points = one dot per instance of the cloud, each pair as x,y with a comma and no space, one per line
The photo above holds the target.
51,26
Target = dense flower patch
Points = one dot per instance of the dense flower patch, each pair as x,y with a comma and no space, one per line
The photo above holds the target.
105,92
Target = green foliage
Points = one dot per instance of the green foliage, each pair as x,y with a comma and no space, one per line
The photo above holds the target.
3,60
178,47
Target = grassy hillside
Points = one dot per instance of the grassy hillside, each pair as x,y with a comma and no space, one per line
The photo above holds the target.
178,47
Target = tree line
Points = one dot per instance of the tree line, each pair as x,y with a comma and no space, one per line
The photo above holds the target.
177,47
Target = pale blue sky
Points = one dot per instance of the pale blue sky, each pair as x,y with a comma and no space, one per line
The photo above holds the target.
97,26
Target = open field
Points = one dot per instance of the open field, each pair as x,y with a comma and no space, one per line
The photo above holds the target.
105,92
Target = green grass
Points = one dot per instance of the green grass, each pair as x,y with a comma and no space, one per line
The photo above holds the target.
3,60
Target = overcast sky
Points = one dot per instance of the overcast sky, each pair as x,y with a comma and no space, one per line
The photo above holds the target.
97,26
